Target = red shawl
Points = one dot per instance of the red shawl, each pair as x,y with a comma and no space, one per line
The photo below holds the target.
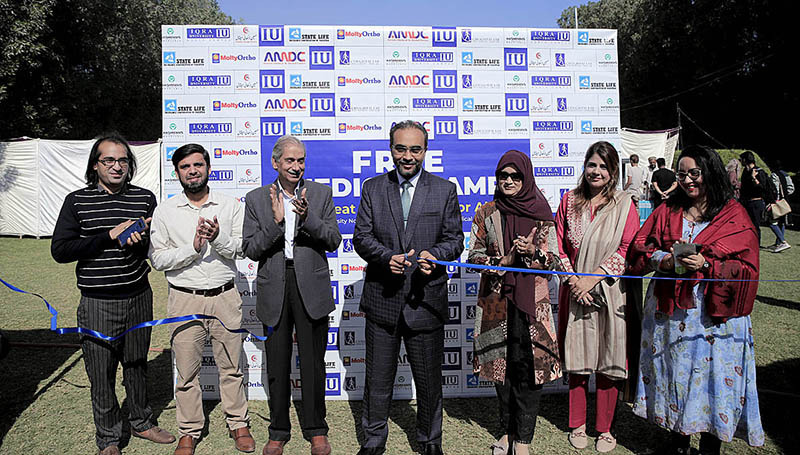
730,246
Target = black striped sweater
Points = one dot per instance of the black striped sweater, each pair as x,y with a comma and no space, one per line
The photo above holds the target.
105,270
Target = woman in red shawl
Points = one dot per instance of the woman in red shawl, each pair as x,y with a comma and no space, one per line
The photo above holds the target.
595,224
696,366
515,340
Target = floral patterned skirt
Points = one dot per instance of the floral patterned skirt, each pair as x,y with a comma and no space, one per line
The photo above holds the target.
695,376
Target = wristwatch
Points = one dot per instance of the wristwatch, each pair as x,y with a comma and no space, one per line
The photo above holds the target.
706,265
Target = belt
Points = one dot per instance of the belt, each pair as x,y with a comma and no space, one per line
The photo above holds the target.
205,292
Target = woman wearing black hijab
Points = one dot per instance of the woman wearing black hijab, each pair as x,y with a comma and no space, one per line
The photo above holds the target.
515,339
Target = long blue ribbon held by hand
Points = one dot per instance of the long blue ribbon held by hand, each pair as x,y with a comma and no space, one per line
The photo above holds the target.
554,272
102,336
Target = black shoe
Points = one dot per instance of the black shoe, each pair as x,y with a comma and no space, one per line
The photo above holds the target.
371,451
433,449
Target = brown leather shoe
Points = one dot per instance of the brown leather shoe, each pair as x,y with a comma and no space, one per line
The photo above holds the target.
186,445
110,450
320,445
273,448
242,439
155,434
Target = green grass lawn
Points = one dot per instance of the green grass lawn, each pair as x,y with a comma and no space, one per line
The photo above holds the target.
45,405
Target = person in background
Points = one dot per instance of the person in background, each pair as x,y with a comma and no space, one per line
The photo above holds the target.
635,184
734,170
784,187
515,339
594,225
195,239
664,183
756,190
697,370
652,165
115,291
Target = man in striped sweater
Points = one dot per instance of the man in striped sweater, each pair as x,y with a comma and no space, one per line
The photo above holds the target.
115,291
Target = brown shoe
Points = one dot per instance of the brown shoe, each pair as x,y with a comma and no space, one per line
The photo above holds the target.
242,439
320,445
186,445
155,434
273,448
110,450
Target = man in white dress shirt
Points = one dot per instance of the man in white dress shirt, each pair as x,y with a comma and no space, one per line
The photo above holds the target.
195,238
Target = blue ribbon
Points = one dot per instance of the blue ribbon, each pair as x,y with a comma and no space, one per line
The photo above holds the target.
96,334
554,272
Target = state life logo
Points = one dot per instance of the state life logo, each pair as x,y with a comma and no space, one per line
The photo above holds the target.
586,127
516,104
272,81
466,58
516,59
583,37
320,57
171,105
168,58
468,104
444,37
444,81
296,128
270,35
295,81
584,81
322,105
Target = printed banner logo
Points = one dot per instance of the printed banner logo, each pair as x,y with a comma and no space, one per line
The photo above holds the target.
270,35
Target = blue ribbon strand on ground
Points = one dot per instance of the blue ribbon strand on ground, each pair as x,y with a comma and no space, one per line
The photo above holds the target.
84,331
191,317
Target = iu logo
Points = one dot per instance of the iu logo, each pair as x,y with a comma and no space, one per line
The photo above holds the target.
445,127
272,81
321,57
322,105
270,35
516,59
516,104
444,38
444,82
272,127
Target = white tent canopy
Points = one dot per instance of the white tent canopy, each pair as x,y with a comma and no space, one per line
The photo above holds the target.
660,144
37,174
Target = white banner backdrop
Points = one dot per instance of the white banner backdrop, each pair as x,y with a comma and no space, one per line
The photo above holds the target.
36,175
478,91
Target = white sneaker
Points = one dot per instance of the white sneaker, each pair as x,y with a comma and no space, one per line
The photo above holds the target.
781,247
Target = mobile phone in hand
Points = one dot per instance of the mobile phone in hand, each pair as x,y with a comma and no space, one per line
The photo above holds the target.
138,226
685,249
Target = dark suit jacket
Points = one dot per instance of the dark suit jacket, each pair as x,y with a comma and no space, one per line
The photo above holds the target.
263,241
434,224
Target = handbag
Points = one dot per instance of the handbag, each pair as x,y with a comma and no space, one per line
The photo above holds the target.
780,208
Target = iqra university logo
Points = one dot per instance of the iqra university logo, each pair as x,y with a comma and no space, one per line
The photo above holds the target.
270,35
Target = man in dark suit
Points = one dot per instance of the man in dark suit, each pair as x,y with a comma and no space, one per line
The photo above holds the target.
403,212
288,227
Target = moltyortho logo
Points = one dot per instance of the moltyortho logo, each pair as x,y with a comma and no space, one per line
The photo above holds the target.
409,80
344,128
444,37
220,105
445,126
272,81
433,103
551,81
516,59
270,35
220,152
208,33
431,57
209,81
444,81
210,128
552,125
273,126
216,57
224,175
322,105
516,104
344,81
547,35
285,57
321,57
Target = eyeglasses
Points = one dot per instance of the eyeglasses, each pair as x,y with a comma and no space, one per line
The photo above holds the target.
694,174
503,176
109,162
402,149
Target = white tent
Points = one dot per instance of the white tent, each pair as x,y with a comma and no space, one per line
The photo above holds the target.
37,174
660,144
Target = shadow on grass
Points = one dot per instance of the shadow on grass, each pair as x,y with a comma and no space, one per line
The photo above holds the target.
25,368
792,305
400,412
778,397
